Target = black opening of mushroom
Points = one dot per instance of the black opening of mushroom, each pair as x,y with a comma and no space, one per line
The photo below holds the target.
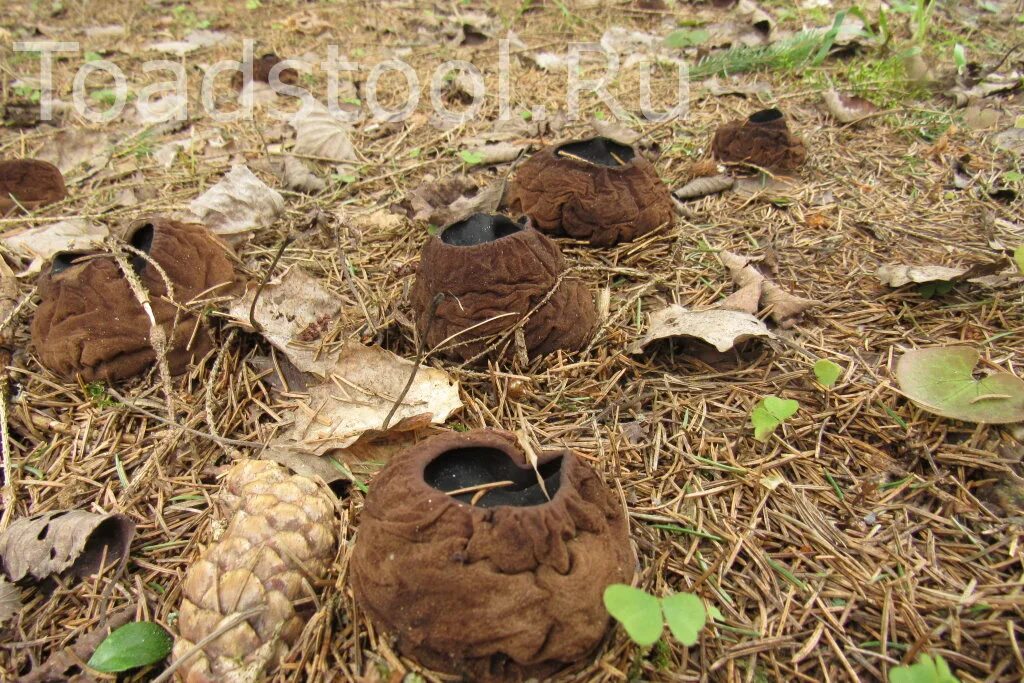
600,151
766,116
480,228
141,239
466,472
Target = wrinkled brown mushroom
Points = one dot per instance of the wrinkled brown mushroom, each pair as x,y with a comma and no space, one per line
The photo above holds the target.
596,190
491,272
30,183
261,70
762,140
499,583
89,322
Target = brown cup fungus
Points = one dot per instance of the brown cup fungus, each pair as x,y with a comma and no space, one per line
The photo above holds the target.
763,140
486,274
89,322
462,557
262,70
30,183
596,190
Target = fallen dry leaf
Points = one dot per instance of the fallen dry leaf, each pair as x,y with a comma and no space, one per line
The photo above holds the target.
293,312
746,299
296,176
72,541
777,187
194,40
364,384
41,243
10,600
781,305
613,130
321,134
721,328
898,275
69,148
239,203
847,108
498,153
445,201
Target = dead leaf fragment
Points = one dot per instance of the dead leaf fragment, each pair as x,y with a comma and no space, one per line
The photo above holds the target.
898,275
365,382
445,201
239,203
783,306
615,131
194,40
40,243
69,148
321,134
721,328
293,312
10,600
72,541
297,176
847,108
498,153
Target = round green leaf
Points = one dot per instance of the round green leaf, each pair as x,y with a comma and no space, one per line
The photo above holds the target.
685,616
941,381
827,372
637,611
133,645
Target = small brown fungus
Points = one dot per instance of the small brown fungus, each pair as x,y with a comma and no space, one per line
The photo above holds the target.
487,274
763,140
89,322
482,566
30,183
594,189
263,71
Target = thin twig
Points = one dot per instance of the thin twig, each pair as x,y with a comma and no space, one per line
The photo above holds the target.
263,283
420,351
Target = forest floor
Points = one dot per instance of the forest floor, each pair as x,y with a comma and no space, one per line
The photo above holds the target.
865,531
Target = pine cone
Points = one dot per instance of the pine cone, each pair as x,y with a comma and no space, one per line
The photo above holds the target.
279,543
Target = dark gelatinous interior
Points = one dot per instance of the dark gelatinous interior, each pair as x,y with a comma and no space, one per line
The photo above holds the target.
465,467
600,151
64,260
479,228
141,239
766,116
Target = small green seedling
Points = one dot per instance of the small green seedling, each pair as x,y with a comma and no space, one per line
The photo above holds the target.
470,157
1018,257
644,616
769,413
827,372
683,38
133,645
927,670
